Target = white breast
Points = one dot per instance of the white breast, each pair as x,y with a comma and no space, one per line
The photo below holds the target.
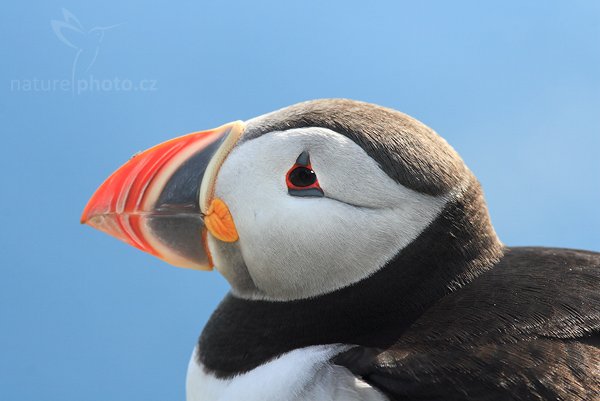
301,375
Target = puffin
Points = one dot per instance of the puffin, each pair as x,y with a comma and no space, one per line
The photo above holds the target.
362,262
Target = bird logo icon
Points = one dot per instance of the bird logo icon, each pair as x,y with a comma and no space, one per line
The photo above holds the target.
86,42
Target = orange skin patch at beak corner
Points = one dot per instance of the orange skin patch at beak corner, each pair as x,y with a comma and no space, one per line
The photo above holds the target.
219,222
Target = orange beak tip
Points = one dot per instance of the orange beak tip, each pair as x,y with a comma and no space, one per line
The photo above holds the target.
142,203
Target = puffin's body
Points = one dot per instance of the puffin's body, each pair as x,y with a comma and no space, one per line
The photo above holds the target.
364,266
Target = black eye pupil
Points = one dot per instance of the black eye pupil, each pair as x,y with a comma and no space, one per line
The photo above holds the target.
302,177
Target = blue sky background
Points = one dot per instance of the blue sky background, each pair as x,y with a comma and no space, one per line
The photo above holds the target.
514,86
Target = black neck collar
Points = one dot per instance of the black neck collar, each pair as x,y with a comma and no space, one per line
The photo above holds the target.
458,246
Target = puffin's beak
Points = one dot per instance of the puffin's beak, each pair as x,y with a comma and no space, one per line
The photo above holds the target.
157,200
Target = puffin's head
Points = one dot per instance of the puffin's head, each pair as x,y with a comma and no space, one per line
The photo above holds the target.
289,205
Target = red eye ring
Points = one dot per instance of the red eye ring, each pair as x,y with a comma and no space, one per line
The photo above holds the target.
301,177
302,180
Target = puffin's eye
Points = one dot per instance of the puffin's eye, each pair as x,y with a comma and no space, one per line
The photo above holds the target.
301,179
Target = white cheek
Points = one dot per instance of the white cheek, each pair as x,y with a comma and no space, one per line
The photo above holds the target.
297,247
326,245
